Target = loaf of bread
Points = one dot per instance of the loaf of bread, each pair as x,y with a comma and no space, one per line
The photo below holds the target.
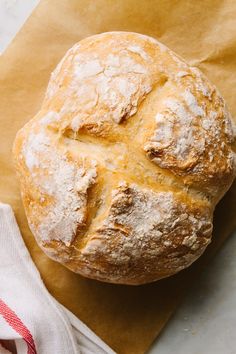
123,165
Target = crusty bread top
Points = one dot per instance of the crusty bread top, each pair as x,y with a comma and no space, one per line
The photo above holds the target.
123,165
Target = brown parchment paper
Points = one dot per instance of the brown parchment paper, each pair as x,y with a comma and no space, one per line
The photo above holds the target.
204,33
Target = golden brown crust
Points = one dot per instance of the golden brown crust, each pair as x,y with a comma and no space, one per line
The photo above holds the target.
123,165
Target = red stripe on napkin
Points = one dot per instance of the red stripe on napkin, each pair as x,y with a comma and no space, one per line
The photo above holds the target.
15,322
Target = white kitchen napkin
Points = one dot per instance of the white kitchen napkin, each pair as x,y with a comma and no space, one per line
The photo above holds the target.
29,315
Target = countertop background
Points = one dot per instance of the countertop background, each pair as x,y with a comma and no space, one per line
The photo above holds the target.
205,322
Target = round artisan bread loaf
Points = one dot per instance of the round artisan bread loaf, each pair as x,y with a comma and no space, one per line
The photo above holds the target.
123,165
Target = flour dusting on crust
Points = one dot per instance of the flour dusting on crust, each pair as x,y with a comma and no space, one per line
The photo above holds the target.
65,182
139,233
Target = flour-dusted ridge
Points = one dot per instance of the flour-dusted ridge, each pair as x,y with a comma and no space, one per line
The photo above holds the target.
64,183
124,163
140,233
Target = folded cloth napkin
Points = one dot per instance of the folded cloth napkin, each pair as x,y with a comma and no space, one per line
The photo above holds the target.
31,320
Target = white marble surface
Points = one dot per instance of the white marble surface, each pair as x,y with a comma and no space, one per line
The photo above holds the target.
205,323
13,14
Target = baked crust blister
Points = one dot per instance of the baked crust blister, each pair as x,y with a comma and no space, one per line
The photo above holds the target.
123,165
